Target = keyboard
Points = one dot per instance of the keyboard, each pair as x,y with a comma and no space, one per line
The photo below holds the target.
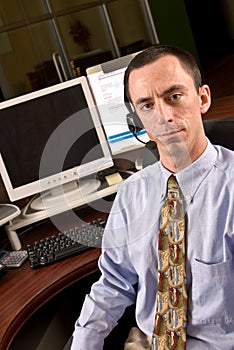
65,244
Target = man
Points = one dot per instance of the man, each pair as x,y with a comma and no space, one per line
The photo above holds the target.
163,84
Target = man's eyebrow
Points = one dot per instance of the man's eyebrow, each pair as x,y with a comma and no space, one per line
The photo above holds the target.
142,100
173,88
168,91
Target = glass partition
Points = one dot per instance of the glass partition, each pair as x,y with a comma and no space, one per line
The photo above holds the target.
87,39
12,11
135,35
59,5
26,62
43,42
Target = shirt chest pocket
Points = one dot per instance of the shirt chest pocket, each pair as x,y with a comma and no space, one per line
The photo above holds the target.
213,292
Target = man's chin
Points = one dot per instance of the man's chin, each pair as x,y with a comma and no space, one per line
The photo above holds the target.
170,139
173,146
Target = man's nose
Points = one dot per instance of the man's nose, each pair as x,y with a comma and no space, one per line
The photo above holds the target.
163,112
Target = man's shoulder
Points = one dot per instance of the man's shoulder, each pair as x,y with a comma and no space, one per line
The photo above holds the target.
142,181
224,151
147,172
141,188
225,158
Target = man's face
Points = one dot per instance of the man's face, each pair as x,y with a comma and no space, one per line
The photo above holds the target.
169,106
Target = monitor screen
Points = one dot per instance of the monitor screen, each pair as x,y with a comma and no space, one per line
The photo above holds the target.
106,82
51,139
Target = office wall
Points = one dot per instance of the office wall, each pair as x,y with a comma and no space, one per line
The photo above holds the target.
3,194
172,24
228,11
210,30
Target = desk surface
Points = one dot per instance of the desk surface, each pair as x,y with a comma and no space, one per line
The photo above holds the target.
24,290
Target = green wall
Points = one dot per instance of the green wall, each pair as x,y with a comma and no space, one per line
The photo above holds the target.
172,24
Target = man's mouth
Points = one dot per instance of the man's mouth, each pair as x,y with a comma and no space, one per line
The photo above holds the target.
169,133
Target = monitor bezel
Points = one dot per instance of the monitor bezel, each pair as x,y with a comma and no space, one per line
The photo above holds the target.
65,176
110,73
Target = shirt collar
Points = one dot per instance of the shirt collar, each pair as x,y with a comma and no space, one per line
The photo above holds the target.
190,178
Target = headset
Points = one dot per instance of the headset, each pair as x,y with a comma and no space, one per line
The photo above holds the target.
134,123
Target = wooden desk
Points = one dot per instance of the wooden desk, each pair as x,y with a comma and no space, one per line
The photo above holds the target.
24,290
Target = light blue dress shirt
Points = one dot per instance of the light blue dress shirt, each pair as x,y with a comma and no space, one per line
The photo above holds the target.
129,254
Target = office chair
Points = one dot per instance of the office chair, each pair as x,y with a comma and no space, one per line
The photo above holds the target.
220,131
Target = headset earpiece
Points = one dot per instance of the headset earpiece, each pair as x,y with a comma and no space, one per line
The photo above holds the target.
134,123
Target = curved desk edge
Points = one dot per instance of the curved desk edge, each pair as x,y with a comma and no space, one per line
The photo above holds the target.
26,290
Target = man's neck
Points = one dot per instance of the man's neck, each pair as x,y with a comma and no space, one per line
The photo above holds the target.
175,165
180,159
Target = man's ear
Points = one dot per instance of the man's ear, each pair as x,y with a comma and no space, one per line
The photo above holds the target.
205,98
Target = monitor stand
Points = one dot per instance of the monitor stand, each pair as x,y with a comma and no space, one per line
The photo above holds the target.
61,196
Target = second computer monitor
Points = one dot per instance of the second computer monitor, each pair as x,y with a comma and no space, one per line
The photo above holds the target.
106,82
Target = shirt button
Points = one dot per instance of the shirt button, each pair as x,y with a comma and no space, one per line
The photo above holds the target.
188,197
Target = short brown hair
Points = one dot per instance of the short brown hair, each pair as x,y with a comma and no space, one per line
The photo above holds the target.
153,53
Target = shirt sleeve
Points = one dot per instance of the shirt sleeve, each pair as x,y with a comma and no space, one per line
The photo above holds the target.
113,292
84,338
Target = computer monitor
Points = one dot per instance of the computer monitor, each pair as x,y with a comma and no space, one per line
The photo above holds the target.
106,82
52,142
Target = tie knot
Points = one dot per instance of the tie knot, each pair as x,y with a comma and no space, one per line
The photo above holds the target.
172,182
173,189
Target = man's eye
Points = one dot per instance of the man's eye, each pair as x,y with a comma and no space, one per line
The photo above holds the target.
146,106
175,97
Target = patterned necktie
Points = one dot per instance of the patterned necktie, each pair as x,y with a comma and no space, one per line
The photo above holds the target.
170,320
